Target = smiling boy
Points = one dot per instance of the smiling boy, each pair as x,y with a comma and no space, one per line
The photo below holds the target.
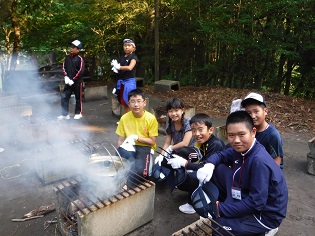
140,127
207,143
266,133
253,193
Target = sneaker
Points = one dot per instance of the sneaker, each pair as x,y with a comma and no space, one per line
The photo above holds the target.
67,117
77,116
187,209
272,232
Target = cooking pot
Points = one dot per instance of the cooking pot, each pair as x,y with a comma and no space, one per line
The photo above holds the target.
107,166
107,173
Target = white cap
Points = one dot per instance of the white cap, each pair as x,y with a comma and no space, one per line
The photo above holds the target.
77,43
253,96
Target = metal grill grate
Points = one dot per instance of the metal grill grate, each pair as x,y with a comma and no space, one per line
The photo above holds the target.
73,203
202,227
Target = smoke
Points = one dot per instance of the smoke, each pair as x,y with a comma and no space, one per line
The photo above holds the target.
37,145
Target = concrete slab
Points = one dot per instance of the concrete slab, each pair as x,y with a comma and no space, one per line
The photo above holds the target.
95,93
166,85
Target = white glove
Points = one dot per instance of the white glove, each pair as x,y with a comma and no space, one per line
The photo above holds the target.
128,146
177,162
70,82
115,64
114,69
159,159
67,79
204,174
168,151
132,138
113,61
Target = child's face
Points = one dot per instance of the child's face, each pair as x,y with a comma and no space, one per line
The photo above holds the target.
74,50
240,137
128,48
137,104
175,114
201,132
257,113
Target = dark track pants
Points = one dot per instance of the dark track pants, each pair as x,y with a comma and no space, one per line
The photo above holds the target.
245,225
76,88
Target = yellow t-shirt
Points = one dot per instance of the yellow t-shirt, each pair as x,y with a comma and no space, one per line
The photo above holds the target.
145,126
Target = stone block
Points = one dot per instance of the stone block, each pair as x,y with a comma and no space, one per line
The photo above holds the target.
95,93
140,81
166,85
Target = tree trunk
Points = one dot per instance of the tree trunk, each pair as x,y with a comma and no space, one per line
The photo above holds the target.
17,36
288,77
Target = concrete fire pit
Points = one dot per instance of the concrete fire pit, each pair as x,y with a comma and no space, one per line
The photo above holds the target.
311,157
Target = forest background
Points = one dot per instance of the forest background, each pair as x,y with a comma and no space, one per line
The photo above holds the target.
265,45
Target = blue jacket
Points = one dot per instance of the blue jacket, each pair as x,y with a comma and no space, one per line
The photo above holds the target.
263,187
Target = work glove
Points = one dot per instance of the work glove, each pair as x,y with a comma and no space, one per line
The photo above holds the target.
132,138
114,69
67,79
168,152
115,64
128,145
177,161
204,174
159,159
70,82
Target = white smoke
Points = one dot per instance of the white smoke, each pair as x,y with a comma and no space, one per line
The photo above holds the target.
36,144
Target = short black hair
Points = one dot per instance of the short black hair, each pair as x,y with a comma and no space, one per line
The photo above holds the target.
201,118
136,92
240,117
174,103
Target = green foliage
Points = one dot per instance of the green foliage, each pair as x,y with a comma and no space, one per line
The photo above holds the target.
266,45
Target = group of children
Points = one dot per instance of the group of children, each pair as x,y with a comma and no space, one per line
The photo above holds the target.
246,172
236,183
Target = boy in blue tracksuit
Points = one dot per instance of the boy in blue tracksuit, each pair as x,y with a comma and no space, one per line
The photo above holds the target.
253,194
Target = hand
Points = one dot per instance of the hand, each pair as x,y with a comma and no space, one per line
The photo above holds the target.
67,79
128,145
132,138
115,64
114,69
204,174
70,82
177,162
168,151
159,159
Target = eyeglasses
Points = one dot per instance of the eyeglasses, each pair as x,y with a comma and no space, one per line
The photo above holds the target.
136,101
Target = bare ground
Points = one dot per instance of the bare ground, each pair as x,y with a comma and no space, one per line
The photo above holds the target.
25,192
